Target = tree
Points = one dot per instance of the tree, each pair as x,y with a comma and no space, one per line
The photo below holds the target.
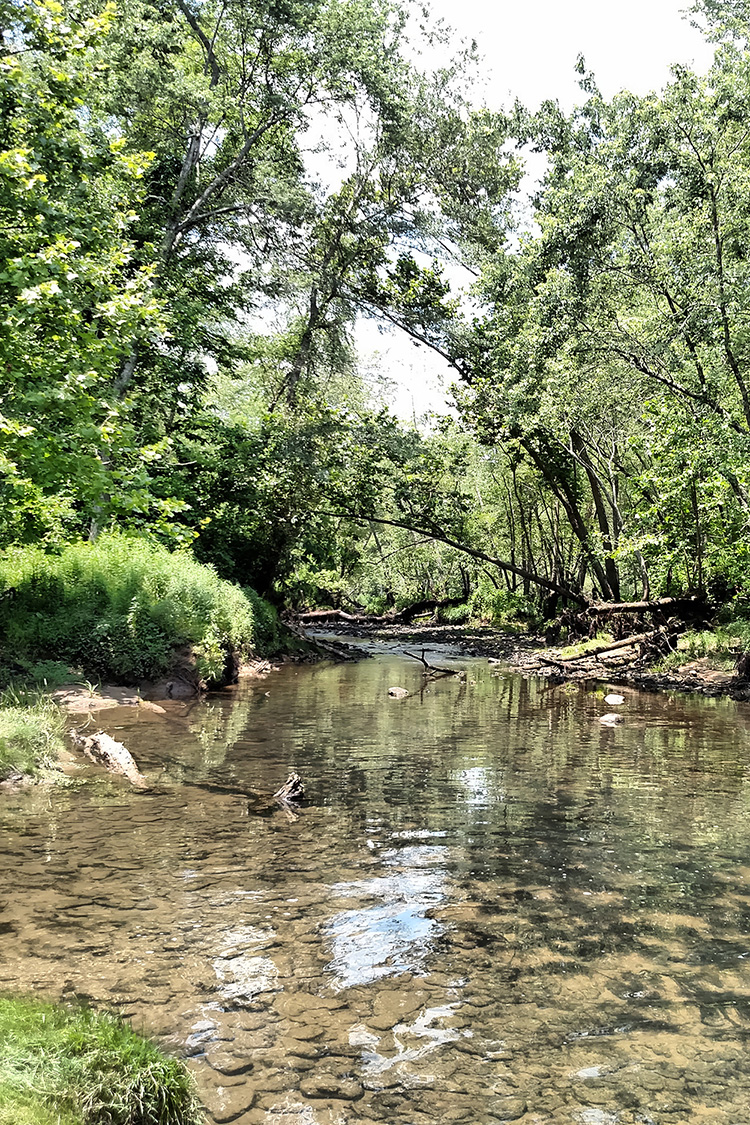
73,293
610,352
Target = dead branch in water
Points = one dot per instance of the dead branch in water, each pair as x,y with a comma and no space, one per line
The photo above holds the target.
433,669
291,791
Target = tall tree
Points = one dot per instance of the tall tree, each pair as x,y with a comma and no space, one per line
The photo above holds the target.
73,293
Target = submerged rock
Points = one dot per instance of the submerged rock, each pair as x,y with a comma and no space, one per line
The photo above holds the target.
327,1085
509,1109
397,692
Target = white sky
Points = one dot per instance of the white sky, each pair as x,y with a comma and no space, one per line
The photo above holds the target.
530,51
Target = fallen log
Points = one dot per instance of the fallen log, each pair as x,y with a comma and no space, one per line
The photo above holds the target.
398,617
321,616
620,654
611,646
642,607
105,751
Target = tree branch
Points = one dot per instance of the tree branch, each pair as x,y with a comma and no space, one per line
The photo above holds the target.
437,537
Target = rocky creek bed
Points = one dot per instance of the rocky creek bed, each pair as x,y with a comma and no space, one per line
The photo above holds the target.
490,908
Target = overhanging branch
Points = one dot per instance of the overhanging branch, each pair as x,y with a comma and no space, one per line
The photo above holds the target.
472,552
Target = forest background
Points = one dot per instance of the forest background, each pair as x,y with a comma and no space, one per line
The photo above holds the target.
199,202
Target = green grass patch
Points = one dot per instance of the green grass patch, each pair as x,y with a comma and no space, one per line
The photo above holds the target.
573,651
117,609
721,647
32,733
79,1067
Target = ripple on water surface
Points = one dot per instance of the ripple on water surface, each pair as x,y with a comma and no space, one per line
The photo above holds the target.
492,908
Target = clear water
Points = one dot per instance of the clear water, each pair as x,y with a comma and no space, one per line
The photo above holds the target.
492,907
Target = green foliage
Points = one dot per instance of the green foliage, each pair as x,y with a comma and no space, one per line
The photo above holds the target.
89,1067
159,221
720,647
74,296
501,606
32,733
609,359
119,607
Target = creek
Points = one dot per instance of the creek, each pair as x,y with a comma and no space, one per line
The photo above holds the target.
491,907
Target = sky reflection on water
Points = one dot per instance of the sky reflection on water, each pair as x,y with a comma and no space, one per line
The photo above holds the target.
391,936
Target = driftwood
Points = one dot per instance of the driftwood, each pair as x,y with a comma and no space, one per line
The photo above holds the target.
433,669
606,647
611,646
102,749
657,605
291,790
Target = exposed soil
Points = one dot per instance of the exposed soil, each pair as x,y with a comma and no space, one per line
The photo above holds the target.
78,699
530,655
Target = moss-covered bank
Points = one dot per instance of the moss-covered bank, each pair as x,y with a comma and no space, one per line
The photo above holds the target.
73,1066
118,609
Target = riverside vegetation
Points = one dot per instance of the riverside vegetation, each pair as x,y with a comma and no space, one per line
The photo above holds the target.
73,1066
189,441
119,609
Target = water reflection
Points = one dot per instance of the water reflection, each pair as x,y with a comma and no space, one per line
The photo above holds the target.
491,909
391,937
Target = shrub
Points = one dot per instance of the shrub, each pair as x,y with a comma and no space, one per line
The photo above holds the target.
503,607
118,608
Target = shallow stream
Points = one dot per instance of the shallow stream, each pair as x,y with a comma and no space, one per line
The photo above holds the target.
491,908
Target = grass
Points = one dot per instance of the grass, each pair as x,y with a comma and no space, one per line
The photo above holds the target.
32,733
573,651
720,647
118,608
74,1066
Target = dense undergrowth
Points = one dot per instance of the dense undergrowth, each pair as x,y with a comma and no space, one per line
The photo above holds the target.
73,1066
118,608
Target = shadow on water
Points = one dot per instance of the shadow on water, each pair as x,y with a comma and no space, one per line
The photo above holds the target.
490,908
